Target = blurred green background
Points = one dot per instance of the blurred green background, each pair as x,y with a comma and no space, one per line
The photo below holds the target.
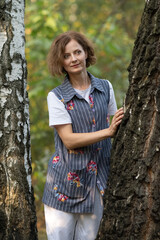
110,25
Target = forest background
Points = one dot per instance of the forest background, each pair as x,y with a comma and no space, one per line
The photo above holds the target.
110,25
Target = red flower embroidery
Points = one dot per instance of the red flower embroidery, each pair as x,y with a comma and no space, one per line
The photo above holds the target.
74,178
91,101
55,161
92,167
62,198
70,105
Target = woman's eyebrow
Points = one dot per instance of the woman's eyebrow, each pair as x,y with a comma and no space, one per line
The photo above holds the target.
77,49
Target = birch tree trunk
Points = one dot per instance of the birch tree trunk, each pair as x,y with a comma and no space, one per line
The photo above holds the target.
132,208
17,211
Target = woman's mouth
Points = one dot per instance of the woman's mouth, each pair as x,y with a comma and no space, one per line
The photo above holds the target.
76,65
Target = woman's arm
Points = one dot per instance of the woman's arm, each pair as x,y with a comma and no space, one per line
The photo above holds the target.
75,140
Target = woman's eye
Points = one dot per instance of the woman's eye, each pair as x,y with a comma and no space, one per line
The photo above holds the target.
66,56
78,51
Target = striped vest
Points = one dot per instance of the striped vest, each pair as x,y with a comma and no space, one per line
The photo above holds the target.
73,174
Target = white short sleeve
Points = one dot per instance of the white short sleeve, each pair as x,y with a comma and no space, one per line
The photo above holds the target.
57,113
112,106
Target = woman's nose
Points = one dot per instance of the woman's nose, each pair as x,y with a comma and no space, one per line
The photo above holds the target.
73,57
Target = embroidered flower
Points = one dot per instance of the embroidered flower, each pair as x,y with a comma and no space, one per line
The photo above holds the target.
70,105
55,187
98,149
61,197
101,190
75,151
91,101
107,119
92,167
55,161
74,179
61,99
94,122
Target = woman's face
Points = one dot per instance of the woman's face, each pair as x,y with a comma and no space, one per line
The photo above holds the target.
74,59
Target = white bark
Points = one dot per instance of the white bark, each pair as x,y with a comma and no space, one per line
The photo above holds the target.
18,218
3,38
17,48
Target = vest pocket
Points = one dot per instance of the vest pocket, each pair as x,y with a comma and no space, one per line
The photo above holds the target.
72,183
64,181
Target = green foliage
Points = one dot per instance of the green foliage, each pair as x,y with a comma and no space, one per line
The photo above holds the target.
111,25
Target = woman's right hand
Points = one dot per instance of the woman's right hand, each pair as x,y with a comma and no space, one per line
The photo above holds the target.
116,120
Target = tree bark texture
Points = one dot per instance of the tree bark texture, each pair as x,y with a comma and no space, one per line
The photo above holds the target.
17,210
132,200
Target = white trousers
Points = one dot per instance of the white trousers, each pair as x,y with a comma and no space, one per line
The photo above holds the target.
74,226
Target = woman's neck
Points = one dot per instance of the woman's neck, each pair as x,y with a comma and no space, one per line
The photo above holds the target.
80,81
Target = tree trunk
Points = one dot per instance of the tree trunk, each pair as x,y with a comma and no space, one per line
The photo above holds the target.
132,201
17,211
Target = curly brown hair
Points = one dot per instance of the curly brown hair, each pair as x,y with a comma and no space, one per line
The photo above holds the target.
56,52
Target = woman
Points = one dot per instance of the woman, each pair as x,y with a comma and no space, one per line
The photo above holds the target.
78,170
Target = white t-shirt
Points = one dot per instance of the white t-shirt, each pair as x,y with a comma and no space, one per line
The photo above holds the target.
58,114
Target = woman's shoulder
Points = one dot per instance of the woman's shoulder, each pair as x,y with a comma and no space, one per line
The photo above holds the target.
105,82
55,95
56,90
